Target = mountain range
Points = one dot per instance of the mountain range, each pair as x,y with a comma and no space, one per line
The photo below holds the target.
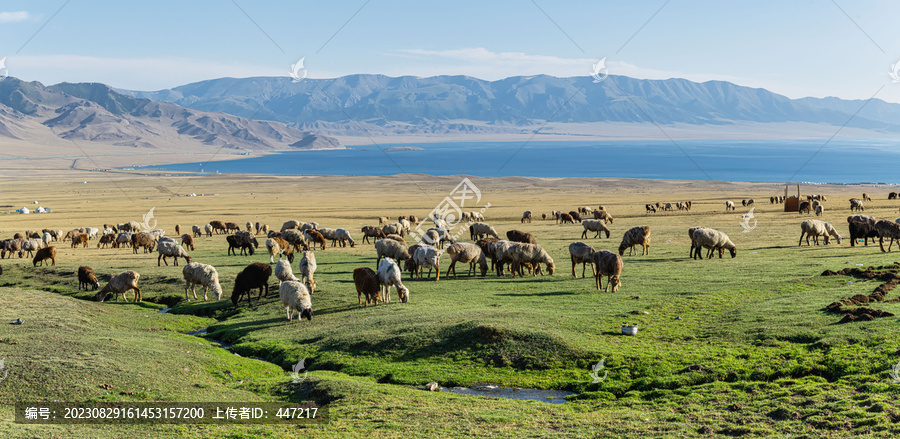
95,113
365,104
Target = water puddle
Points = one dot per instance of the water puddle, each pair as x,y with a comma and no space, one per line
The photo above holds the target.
549,396
202,332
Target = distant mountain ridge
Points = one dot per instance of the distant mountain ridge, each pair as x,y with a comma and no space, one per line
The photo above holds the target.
462,104
97,113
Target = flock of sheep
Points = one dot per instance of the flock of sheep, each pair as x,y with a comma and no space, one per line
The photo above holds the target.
517,254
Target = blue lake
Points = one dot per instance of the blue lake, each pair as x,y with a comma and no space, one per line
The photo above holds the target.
837,161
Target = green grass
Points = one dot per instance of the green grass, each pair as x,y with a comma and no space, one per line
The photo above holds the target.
772,361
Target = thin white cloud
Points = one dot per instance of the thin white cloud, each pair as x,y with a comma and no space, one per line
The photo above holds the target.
13,17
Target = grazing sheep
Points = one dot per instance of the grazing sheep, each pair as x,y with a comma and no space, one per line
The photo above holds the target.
852,218
428,256
79,239
265,229
892,196
520,236
143,239
390,249
106,240
816,228
44,254
750,202
196,273
804,207
32,245
283,271
243,242
594,225
565,218
887,229
47,238
526,216
366,282
87,277
650,208
583,254
820,210
862,229
610,265
280,247
383,220
295,297
123,239
712,240
530,254
371,232
258,228
14,246
729,205
543,216
389,276
465,252
249,226
603,215
311,225
197,231
393,229
255,275
187,241
866,197
218,226
694,246
575,215
307,268
177,229
173,250
437,236
296,239
121,284
744,203
342,236
479,230
639,235
232,227
208,229
855,204
314,237
328,233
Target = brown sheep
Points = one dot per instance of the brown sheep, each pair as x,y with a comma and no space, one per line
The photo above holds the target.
565,218
414,219
232,227
371,232
520,236
87,277
177,229
366,285
106,240
255,275
187,241
44,254
575,215
866,197
217,226
609,264
314,237
81,238
142,240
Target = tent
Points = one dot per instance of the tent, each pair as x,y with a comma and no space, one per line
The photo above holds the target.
24,210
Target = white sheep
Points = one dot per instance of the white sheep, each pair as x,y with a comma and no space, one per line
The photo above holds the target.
526,216
478,230
394,229
209,229
121,284
196,273
342,235
530,254
312,225
389,276
171,249
729,205
594,225
295,238
32,245
712,240
295,296
292,224
284,272
429,256
307,267
197,230
123,239
820,210
47,238
91,232
816,228
466,252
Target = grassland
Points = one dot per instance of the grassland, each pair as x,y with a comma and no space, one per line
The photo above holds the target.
772,361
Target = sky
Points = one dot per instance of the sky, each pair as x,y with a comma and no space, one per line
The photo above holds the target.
796,48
